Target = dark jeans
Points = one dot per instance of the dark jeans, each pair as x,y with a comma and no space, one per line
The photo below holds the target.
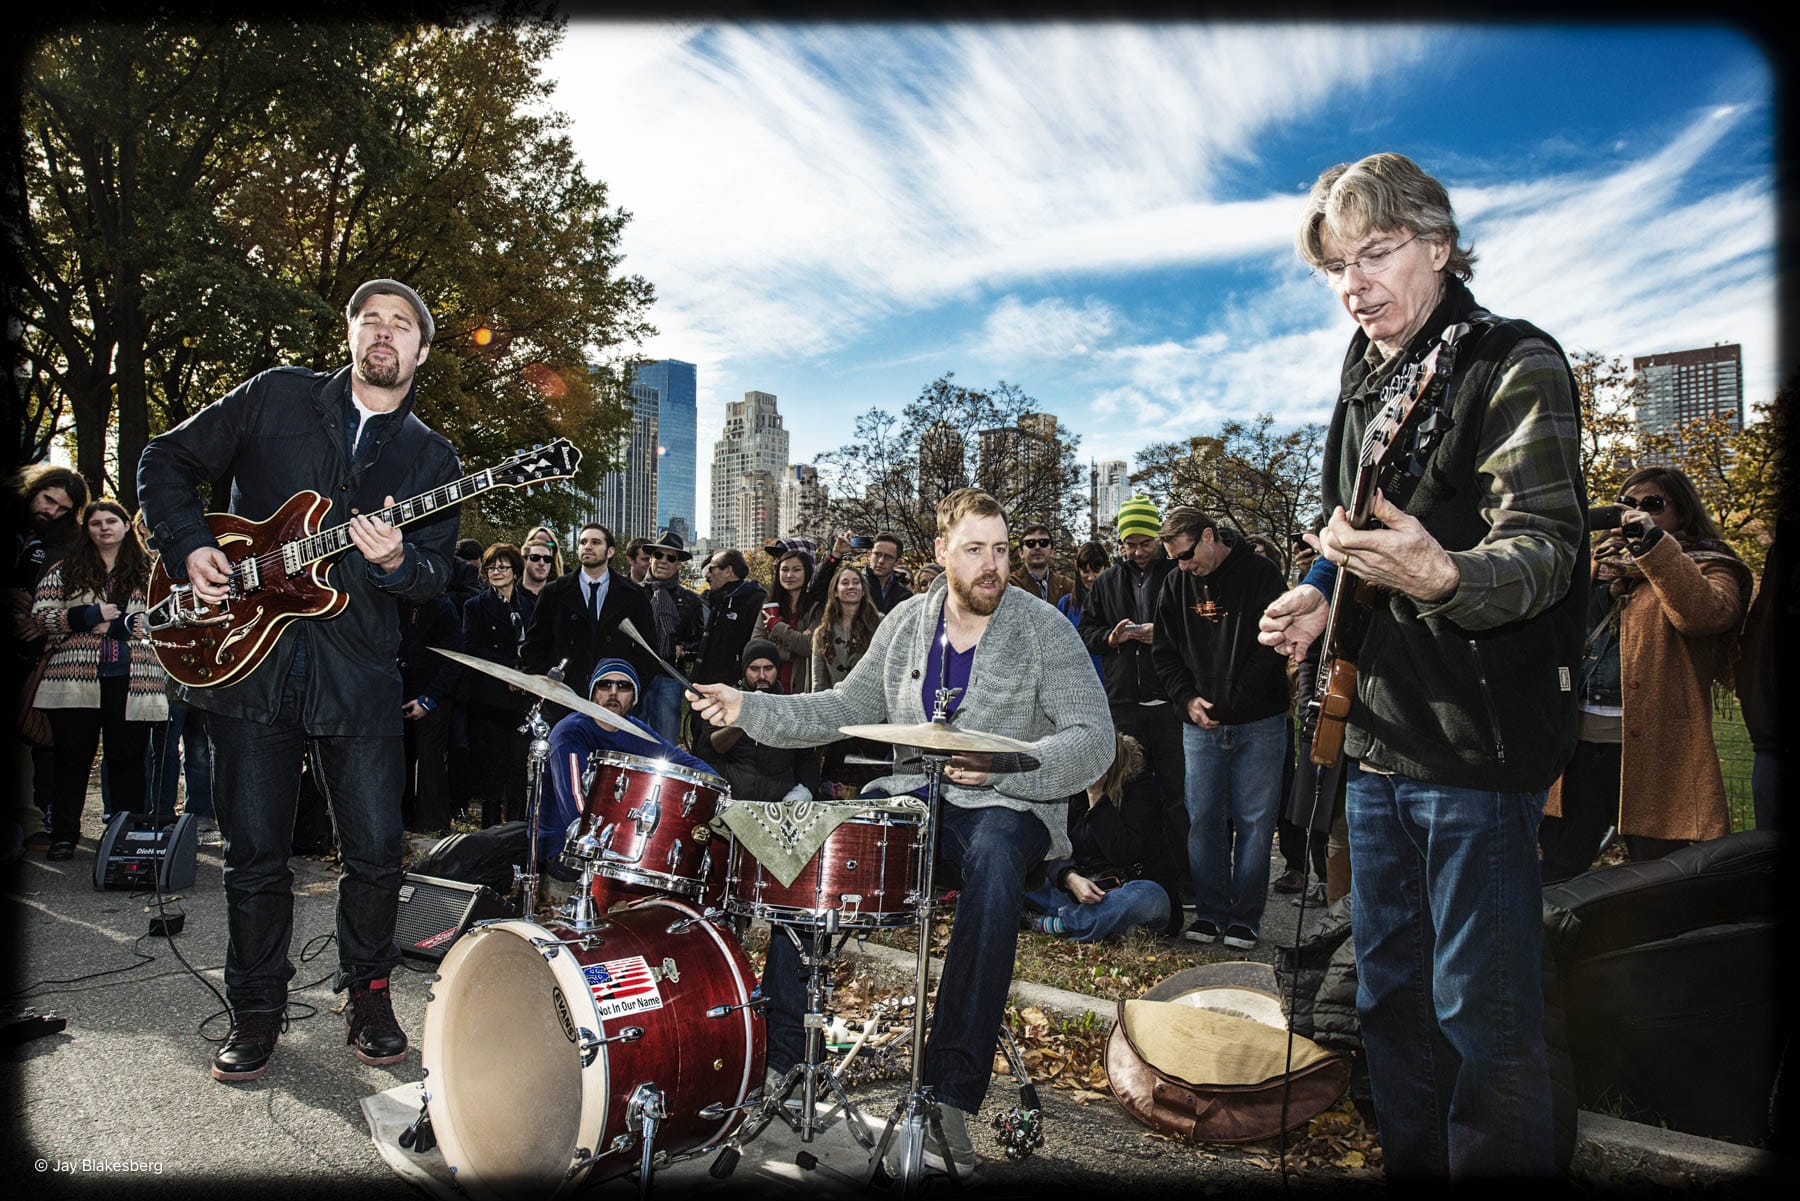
78,734
1449,938
992,850
498,753
1590,807
256,772
1158,730
1295,842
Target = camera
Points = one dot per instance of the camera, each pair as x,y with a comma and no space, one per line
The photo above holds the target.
861,542
1604,517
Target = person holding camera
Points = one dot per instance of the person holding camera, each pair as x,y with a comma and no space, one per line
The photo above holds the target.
1667,600
881,580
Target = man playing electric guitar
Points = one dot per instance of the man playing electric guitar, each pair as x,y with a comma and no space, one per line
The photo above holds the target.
1463,713
352,437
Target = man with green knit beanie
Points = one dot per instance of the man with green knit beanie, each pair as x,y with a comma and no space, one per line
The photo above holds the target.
1117,626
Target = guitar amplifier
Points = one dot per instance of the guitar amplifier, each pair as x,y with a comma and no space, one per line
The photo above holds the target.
147,851
434,913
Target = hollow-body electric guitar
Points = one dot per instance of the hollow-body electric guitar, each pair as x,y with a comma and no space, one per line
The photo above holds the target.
1387,440
279,566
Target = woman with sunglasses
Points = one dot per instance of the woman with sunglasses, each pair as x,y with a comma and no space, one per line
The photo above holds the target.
102,686
493,624
1667,600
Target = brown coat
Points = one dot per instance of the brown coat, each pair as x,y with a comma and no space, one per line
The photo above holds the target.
1676,630
1060,584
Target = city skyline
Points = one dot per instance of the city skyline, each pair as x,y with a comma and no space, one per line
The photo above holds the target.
985,200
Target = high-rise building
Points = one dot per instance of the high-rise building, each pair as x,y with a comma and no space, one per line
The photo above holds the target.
753,442
674,381
1680,385
1016,464
757,502
1109,487
625,501
802,500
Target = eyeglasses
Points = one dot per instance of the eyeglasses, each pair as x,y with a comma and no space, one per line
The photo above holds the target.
1034,543
540,558
1187,554
1373,262
614,686
500,567
1646,504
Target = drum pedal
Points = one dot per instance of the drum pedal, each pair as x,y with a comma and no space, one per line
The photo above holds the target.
419,1137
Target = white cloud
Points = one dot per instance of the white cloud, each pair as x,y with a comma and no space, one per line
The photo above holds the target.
1049,329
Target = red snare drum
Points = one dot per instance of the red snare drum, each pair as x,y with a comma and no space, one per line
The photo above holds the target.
607,893
867,872
647,823
541,1046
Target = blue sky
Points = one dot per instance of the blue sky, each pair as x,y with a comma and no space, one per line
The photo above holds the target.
1104,214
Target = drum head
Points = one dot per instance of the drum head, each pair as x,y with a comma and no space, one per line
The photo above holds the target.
510,1103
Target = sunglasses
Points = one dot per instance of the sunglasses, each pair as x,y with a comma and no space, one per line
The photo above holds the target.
1646,504
664,556
540,558
1187,554
614,686
1034,543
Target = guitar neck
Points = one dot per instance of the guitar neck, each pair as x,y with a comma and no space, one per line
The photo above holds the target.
325,543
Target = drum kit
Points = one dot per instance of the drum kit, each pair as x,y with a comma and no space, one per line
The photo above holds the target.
626,1032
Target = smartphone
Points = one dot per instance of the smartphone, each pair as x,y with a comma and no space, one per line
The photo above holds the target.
861,542
1107,883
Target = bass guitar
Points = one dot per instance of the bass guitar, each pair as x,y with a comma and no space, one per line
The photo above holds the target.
279,571
1385,443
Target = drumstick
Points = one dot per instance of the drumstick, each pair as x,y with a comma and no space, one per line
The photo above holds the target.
631,632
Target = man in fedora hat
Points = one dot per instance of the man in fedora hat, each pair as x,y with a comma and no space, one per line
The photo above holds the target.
678,630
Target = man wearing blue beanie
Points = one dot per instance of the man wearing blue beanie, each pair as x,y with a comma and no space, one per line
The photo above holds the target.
613,686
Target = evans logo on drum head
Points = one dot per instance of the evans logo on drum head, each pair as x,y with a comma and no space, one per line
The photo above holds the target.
562,1013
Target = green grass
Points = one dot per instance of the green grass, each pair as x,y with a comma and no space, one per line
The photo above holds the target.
1735,759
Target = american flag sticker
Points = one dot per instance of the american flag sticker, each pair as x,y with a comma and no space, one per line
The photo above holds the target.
622,986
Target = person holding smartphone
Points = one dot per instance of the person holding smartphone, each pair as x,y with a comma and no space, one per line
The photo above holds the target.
1122,872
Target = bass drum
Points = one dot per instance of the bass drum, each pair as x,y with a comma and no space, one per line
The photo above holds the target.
544,1047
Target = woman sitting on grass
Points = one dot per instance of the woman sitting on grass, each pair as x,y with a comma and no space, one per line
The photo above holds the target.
1123,873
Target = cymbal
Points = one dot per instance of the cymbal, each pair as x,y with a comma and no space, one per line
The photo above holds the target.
937,736
548,689
1000,763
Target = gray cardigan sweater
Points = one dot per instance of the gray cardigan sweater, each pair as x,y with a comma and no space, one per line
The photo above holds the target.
1031,680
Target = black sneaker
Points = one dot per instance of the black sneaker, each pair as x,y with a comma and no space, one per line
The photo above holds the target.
375,1035
1242,938
1314,895
1201,930
1292,880
248,1046
60,850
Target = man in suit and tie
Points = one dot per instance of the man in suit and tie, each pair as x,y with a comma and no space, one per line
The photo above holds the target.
577,615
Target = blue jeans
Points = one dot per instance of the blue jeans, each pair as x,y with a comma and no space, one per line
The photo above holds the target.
992,850
662,707
257,771
1233,796
1133,903
180,748
1449,930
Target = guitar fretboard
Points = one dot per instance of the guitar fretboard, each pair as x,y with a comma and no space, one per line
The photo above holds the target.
301,552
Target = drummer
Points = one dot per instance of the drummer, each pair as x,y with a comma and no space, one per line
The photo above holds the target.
613,686
1007,665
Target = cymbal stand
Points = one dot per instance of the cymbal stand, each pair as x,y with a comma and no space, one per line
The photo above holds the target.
525,884
917,1114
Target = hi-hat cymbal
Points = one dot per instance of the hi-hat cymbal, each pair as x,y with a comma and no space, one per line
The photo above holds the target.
550,690
936,736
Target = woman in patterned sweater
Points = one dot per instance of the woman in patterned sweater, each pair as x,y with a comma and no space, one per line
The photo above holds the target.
99,678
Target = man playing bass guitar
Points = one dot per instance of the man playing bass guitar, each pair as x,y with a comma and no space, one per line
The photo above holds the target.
352,437
1463,712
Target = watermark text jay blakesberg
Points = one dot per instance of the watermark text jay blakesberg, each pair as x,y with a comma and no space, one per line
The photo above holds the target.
91,1164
